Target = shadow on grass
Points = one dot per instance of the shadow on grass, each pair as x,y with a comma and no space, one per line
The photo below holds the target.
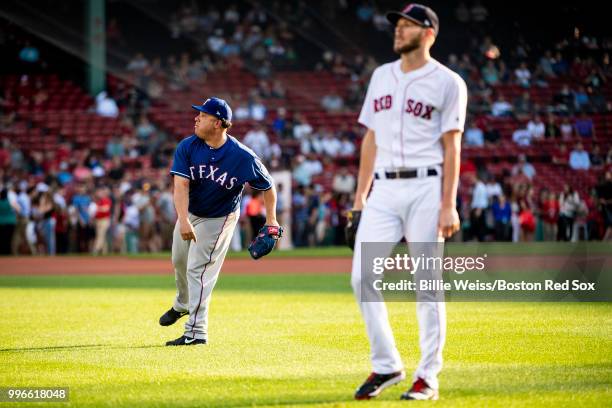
53,348
79,347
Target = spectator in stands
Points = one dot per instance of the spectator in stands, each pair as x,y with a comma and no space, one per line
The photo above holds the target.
114,148
566,128
478,208
523,106
453,63
580,222
330,144
523,75
347,148
473,135
301,127
584,126
522,137
332,102
564,100
279,124
311,144
579,158
106,106
560,66
300,215
344,182
604,194
145,129
137,64
597,160
339,68
491,134
549,213
44,214
242,110
526,217
479,12
81,201
546,64
462,13
9,209
490,73
167,215
569,201
23,214
481,97
131,222
536,127
102,220
216,41
258,140
551,130
305,169
561,156
609,156
278,90
365,11
502,213
524,167
494,189
379,20
257,109
581,99
255,212
501,107
504,73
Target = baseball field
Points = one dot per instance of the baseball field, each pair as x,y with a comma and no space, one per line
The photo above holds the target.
283,331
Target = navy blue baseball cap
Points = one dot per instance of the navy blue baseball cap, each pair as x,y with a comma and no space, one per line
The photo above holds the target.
216,107
417,13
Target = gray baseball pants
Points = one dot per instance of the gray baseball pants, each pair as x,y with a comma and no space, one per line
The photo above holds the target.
197,266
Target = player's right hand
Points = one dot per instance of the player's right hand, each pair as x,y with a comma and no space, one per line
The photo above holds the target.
187,231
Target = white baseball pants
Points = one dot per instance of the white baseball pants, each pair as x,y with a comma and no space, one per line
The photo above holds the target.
396,208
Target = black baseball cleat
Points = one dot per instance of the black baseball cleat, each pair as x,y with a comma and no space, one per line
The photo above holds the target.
170,317
420,391
185,341
377,383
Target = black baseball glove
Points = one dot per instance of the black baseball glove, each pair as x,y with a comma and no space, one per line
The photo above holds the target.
350,232
265,240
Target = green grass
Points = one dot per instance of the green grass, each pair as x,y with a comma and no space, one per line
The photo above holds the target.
287,340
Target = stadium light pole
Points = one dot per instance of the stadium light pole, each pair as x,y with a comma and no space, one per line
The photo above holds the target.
96,51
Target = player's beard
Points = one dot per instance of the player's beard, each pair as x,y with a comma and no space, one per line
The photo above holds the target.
412,45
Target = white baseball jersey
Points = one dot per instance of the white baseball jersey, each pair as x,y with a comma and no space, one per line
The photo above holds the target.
409,112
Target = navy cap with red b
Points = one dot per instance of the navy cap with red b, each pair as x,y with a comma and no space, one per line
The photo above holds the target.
417,13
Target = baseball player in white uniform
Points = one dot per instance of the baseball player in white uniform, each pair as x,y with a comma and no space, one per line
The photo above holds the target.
414,112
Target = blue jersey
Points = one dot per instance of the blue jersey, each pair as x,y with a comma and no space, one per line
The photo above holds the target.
217,176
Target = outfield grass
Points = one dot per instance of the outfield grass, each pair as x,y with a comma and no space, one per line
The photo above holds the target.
287,340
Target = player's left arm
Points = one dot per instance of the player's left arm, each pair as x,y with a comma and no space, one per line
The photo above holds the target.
453,115
269,197
449,218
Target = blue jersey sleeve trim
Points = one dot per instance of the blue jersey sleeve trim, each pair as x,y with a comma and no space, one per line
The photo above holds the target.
260,189
180,174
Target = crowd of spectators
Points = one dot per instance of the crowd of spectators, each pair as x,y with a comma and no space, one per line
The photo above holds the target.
509,208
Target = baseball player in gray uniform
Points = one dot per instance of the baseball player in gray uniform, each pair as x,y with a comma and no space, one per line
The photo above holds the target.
210,170
414,112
